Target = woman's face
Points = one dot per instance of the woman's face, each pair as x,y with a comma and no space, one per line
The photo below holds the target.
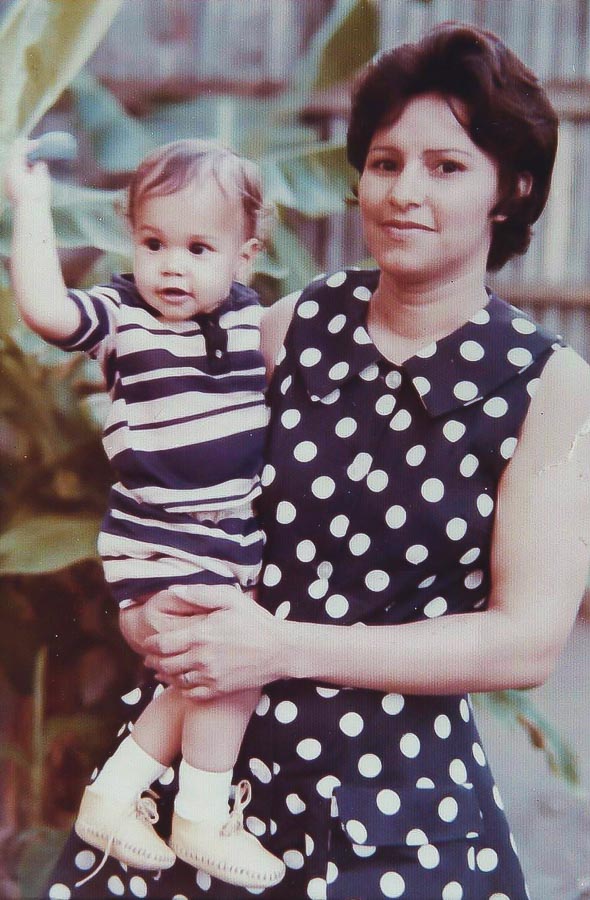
426,195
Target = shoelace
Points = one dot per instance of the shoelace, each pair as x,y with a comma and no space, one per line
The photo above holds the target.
145,808
235,822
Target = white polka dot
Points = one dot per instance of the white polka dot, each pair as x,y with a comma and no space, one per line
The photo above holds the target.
393,380
360,466
470,556
181,896
456,528
436,607
345,427
286,712
309,748
305,451
457,771
272,826
370,373
487,859
401,420
286,512
310,357
286,383
415,455
325,569
260,770
448,809
388,802
255,826
395,516
283,610
421,384
410,745
308,309
323,487
520,357
425,783
114,884
293,859
385,405
481,317
359,544
453,430
167,777
331,872
295,804
416,838
452,891
327,693
428,582
338,371
361,336
507,447
357,831
85,859
369,765
377,580
499,897
464,710
290,418
478,754
377,480
428,856
132,697
485,505
473,580
336,324
442,726
362,293
272,575
471,351
268,475
363,851
532,386
263,705
336,279
427,351
327,785
309,845
433,490
468,465
60,891
316,889
392,885
138,886
318,589
331,398
416,554
465,391
336,606
523,326
495,407
393,704
305,551
471,858
497,797
339,525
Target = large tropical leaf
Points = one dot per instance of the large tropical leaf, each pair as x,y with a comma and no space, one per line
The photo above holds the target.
47,544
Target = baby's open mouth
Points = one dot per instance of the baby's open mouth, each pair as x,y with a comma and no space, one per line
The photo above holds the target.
174,292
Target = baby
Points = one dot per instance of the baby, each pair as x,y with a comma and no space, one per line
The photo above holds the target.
178,343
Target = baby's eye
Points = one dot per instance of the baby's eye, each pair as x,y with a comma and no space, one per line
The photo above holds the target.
197,248
153,243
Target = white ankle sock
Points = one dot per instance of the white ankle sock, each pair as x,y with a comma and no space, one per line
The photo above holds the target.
128,772
202,795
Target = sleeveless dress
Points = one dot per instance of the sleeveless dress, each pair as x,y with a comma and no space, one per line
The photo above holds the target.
378,501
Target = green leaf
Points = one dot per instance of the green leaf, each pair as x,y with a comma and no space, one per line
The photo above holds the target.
517,706
289,254
47,543
352,44
40,854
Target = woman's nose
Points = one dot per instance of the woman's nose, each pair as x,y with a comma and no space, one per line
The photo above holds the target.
407,188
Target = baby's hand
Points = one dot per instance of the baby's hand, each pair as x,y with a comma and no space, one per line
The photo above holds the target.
25,183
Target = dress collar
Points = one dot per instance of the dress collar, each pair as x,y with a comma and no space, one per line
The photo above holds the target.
496,344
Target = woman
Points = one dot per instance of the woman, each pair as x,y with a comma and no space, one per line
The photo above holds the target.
427,469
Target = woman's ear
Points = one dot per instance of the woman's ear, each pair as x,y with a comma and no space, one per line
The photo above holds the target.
524,186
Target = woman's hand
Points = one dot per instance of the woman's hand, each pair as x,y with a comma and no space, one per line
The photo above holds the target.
228,644
160,612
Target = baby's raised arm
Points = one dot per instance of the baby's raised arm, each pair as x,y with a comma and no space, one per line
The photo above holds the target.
39,289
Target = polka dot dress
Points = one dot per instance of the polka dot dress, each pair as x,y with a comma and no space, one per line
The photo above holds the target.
378,501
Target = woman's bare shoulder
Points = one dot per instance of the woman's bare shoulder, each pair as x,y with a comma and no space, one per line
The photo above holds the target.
274,327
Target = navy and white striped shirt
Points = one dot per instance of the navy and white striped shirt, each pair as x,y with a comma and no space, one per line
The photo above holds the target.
186,426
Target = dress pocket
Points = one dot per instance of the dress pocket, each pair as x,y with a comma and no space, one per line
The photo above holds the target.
380,816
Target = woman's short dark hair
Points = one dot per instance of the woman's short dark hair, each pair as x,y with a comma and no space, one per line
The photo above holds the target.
508,116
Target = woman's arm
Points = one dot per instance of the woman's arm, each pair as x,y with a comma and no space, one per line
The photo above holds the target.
539,566
274,327
39,289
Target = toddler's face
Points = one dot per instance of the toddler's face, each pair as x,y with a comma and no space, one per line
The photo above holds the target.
188,248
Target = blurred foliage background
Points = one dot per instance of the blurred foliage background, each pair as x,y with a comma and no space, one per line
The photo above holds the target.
62,662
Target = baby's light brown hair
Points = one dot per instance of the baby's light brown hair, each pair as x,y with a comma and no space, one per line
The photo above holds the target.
173,166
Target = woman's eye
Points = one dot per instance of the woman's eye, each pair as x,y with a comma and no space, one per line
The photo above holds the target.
449,166
153,243
197,249
384,165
